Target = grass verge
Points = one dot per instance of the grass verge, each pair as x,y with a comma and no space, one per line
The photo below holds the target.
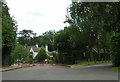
116,69
7,68
86,63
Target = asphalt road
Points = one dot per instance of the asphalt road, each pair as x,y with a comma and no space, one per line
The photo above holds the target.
48,72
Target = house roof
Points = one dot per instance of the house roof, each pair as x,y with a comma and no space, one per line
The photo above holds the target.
50,53
35,49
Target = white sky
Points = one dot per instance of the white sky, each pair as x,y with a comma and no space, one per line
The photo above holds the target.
39,15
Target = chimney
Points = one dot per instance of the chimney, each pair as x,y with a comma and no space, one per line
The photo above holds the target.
46,47
36,45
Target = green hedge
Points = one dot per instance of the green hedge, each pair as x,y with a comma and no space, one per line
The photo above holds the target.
115,49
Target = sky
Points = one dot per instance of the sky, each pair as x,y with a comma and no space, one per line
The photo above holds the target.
39,15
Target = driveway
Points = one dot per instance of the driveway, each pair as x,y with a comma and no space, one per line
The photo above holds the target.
55,72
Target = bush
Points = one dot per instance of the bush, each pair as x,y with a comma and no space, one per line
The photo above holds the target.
115,49
56,57
42,55
21,53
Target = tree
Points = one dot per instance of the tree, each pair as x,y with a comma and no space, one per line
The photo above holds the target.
64,46
1,33
0,25
20,53
115,41
8,35
25,37
96,22
42,55
48,38
115,49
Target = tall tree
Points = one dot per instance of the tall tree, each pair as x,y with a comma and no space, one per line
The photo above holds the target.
115,42
25,37
48,38
0,33
95,21
63,45
8,35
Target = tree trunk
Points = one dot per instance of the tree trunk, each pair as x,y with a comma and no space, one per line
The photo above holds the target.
98,49
104,50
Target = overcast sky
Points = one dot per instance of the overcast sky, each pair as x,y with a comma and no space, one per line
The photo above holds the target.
39,15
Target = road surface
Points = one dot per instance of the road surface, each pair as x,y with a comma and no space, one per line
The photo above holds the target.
48,72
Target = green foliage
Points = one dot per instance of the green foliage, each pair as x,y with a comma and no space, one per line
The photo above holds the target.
0,25
115,49
63,43
8,35
91,26
20,53
26,37
42,55
47,38
56,57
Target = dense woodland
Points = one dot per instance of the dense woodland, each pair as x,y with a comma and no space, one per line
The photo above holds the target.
93,34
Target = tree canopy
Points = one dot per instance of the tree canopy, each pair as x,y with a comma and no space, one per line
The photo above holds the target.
90,30
8,35
92,34
25,37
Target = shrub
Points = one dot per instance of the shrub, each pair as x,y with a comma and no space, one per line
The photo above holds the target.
42,55
20,53
115,49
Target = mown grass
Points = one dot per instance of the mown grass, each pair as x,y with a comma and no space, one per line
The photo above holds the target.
7,67
92,62
86,63
116,69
